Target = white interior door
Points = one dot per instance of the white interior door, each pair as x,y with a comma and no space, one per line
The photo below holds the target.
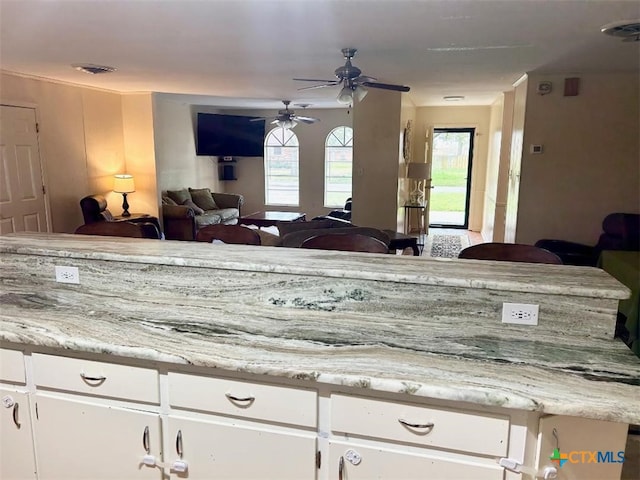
22,202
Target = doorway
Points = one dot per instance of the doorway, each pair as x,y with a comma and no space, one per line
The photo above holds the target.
451,162
22,197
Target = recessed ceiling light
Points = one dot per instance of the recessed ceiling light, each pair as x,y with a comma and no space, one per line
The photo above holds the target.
92,69
628,30
453,98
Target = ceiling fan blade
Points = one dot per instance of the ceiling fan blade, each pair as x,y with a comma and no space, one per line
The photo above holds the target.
332,84
258,119
307,120
364,78
314,80
386,86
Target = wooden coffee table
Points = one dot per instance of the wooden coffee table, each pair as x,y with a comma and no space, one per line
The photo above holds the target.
270,218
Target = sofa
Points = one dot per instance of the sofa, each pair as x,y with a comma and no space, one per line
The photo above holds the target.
620,231
187,210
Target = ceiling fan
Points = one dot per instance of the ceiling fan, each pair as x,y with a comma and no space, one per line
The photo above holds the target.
287,118
352,80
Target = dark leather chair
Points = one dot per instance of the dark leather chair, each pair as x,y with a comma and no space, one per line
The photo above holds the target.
510,252
120,229
236,234
94,209
350,242
620,231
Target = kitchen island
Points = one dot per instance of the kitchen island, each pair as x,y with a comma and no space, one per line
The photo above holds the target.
326,363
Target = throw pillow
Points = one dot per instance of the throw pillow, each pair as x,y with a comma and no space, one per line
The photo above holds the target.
196,209
203,198
179,196
166,200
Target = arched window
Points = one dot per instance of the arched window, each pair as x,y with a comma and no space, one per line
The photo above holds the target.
338,162
281,172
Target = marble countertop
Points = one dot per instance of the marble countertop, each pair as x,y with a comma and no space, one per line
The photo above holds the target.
358,333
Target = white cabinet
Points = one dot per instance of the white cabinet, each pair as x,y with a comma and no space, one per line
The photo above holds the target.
243,430
351,461
214,449
17,461
16,441
82,433
407,441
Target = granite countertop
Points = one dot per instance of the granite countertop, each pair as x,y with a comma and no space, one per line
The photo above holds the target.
361,333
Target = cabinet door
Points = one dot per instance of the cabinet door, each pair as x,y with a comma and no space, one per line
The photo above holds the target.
227,451
387,464
16,440
81,440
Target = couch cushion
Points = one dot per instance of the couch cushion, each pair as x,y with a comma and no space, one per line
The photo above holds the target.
208,218
179,196
167,200
203,198
295,239
196,209
227,214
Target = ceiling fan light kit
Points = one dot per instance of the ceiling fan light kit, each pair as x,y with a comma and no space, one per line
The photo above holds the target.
352,81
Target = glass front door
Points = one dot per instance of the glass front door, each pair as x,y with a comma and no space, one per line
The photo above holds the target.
452,155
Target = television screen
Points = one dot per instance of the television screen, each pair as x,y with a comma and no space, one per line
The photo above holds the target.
229,136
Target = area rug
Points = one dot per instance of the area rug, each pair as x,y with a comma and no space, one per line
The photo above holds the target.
445,246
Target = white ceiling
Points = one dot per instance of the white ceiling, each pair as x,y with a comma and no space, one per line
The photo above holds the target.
246,52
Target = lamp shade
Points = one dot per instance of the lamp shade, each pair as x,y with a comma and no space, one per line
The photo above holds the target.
418,171
345,96
123,184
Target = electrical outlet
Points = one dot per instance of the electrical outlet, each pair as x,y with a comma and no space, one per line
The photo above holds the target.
67,274
520,313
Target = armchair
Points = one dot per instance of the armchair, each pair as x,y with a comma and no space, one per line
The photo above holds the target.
94,209
620,231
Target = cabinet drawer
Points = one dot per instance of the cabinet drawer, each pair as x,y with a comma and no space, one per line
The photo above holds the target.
453,429
12,366
273,403
96,378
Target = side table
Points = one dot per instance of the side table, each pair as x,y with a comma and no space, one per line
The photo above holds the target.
414,210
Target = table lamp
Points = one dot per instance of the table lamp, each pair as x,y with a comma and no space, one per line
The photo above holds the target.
417,172
124,184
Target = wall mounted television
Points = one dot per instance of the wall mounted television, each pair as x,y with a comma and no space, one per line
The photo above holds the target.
229,135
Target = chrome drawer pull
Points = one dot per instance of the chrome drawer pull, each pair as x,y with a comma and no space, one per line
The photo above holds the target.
179,443
416,425
15,414
340,468
90,378
233,398
145,440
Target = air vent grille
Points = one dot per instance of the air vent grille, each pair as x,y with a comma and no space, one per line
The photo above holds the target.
92,69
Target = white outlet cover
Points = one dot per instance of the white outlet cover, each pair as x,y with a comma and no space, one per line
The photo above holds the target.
67,274
520,313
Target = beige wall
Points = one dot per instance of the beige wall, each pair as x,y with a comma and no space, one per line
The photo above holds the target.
81,142
493,167
140,161
177,165
515,160
428,118
376,151
590,164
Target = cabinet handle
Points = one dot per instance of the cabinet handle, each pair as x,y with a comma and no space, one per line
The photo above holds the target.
416,425
90,378
340,468
15,414
179,443
239,399
145,439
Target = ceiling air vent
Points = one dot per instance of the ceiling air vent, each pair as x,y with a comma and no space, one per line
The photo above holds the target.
92,69
628,30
